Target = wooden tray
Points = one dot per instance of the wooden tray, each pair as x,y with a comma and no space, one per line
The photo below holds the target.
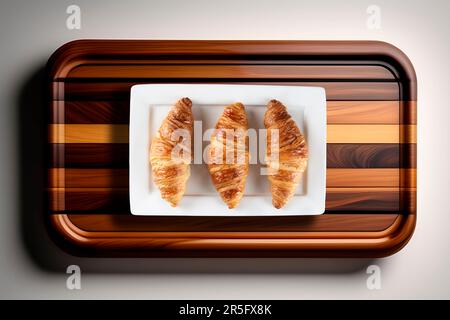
371,145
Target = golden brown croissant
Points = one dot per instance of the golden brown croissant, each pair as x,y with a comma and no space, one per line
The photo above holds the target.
171,169
228,156
285,171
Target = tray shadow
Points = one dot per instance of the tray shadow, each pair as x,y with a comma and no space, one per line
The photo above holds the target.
33,163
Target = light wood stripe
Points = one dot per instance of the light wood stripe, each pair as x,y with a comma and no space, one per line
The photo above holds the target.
88,133
363,112
230,71
103,178
384,177
380,133
118,133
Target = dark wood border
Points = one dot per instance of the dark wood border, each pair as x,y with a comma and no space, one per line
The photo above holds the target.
234,244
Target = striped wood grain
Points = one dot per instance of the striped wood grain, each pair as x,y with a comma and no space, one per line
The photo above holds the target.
339,155
338,112
96,90
366,84
347,189
339,133
183,71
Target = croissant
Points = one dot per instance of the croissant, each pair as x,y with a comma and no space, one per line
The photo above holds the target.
228,155
285,165
170,170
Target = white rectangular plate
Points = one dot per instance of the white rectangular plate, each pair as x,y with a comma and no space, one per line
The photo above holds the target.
150,104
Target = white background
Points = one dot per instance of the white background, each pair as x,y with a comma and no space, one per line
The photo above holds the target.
31,266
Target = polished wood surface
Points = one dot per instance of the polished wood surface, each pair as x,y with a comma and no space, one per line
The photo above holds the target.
339,155
336,90
327,222
371,147
338,112
336,177
202,71
116,200
118,133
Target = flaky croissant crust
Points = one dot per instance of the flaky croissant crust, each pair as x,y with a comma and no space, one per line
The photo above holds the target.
170,173
229,170
285,173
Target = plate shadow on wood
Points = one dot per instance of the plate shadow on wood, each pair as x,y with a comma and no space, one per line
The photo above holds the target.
32,111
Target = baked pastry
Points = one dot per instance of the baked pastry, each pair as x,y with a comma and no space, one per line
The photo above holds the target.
228,155
285,165
170,169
